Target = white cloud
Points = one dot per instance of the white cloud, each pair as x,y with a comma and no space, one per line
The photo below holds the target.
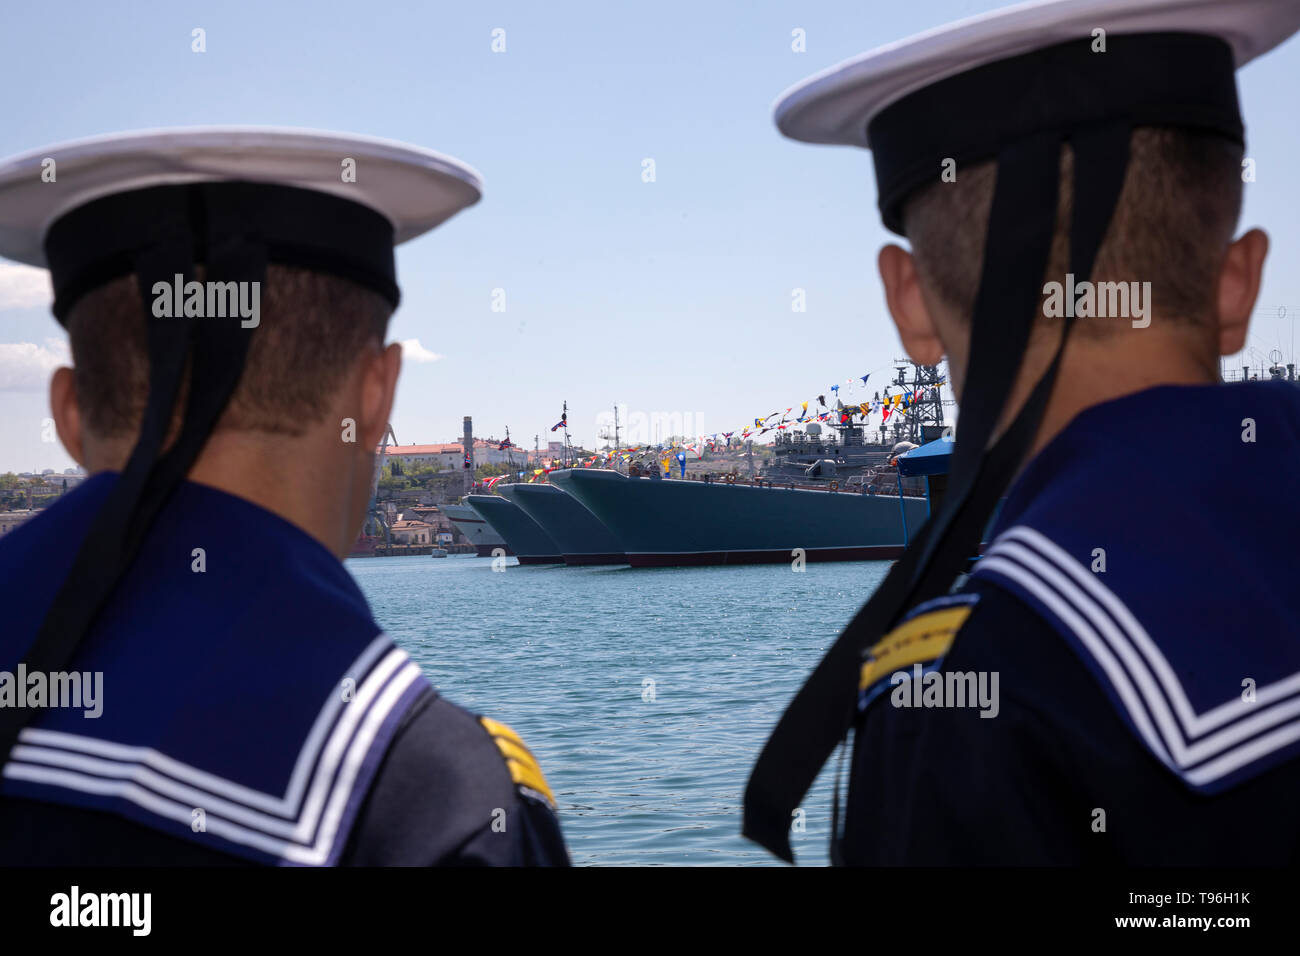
26,366
413,351
24,287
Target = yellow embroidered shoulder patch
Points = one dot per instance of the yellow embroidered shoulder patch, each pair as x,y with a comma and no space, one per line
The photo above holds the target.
523,766
923,638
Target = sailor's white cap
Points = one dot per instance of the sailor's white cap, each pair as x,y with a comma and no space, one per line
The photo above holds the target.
835,105
415,189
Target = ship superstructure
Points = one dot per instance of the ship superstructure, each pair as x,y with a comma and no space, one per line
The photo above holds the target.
851,453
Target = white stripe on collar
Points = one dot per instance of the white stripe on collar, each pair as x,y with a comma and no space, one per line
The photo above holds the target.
1201,748
299,827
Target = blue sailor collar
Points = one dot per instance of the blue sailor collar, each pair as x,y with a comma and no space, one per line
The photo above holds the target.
1155,537
248,700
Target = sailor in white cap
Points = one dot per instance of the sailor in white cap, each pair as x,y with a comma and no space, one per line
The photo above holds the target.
227,293
1069,177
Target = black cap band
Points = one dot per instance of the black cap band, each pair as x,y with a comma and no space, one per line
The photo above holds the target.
99,241
1151,79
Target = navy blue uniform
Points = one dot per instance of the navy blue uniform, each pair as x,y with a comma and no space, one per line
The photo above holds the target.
1139,608
250,711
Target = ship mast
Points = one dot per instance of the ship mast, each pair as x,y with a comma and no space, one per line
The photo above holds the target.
926,407
565,418
605,435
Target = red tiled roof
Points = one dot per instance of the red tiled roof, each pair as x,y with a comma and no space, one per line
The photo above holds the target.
424,449
453,448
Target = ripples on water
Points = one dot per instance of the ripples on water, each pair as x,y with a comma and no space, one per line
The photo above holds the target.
563,655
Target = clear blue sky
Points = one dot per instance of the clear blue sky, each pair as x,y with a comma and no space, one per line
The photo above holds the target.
671,297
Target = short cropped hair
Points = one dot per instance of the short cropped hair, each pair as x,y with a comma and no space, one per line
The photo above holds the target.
1177,213
312,328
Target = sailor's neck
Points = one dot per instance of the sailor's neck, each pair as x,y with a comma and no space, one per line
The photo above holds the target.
311,482
286,476
1093,372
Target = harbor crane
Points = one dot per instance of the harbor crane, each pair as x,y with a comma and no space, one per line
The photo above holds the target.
376,521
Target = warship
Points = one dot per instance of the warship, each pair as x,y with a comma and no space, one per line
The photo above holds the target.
524,536
580,536
665,521
477,531
844,451
545,525
830,493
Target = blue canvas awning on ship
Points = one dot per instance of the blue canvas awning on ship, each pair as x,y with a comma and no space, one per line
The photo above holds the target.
931,461
932,458
928,461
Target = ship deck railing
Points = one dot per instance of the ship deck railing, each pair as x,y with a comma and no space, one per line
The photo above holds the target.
880,488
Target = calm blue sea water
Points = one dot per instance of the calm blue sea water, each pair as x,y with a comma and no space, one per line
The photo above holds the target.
569,657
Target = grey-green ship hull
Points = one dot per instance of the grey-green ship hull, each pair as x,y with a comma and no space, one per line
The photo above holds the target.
525,537
661,522
581,537
477,531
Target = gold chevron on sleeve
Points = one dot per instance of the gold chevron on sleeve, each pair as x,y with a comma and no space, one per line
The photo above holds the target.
523,766
923,638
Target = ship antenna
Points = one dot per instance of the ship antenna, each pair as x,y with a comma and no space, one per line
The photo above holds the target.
565,418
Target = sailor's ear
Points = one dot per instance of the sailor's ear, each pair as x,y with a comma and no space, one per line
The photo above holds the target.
67,413
379,371
916,327
1239,280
